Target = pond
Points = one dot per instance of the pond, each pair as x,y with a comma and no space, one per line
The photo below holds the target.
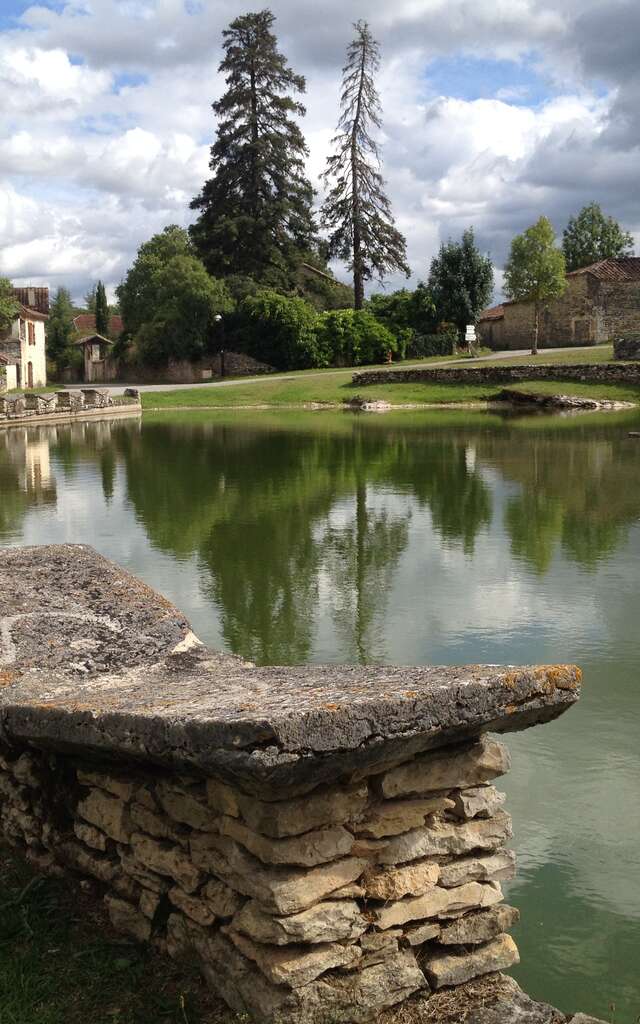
441,538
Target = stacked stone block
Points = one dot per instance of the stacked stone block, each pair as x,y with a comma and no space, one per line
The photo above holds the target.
321,908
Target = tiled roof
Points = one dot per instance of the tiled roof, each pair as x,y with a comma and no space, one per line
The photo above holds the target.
33,298
494,313
85,323
32,314
627,268
93,337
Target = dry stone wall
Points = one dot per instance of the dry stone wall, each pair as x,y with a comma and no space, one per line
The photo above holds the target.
326,841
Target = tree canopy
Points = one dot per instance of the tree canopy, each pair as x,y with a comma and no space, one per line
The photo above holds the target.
60,328
356,211
255,212
9,306
535,270
461,281
138,293
592,236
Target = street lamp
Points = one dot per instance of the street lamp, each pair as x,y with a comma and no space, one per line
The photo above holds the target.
218,320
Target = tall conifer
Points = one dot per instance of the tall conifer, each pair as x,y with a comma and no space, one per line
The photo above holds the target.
255,211
102,310
356,211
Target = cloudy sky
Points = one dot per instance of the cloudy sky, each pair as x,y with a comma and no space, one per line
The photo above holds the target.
495,111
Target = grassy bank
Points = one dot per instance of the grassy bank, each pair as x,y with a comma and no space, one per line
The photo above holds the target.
61,964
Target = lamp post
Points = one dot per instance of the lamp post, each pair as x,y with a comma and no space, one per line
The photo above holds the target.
218,319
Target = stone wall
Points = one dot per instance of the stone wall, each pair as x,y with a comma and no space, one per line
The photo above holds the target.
60,406
596,373
325,841
236,364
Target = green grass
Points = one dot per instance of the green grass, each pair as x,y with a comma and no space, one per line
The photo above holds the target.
593,354
61,964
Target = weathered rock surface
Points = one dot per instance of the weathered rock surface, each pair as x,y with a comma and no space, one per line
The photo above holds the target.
495,867
108,813
166,859
478,802
391,817
126,677
478,926
328,921
447,838
126,918
308,850
438,902
453,969
412,879
295,965
479,762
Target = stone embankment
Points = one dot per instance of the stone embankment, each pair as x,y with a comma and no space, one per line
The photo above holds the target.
328,841
561,402
627,347
584,373
63,406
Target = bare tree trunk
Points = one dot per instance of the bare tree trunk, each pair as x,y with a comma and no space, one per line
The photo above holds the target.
358,268
534,350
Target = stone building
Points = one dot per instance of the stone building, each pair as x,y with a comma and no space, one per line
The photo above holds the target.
601,302
23,346
99,365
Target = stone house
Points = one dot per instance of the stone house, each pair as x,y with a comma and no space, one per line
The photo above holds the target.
23,346
601,302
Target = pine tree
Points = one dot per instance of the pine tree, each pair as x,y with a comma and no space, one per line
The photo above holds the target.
255,211
356,211
102,310
60,328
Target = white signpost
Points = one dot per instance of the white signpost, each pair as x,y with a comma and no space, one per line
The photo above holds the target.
470,334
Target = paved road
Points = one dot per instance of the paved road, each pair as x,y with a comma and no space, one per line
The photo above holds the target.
119,388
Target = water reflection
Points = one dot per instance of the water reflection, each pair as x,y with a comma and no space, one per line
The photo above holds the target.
408,538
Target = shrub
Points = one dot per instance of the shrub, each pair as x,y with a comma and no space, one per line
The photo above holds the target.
280,331
424,345
349,337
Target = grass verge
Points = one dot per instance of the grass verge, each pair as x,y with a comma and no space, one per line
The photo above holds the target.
60,963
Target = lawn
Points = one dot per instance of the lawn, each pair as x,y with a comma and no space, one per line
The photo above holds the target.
60,963
593,354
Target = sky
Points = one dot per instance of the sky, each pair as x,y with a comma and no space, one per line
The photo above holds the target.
495,112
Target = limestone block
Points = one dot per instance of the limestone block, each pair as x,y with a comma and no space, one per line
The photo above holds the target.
328,921
15,793
224,902
479,926
454,768
127,887
149,903
27,824
116,785
353,891
147,820
108,813
412,879
133,868
295,965
438,902
144,796
495,867
307,850
27,771
447,838
478,802
391,817
80,859
280,890
421,933
293,817
454,969
380,940
90,836
197,909
126,918
166,859
185,807
222,798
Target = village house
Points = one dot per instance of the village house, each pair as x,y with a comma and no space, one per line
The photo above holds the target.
601,302
23,346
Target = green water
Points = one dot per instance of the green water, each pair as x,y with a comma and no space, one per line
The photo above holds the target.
411,538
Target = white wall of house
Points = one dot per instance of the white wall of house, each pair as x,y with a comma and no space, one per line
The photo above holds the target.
12,377
30,334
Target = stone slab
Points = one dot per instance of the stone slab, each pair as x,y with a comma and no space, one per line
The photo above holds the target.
92,659
445,969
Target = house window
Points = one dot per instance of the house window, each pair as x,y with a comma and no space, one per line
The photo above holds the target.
22,330
32,333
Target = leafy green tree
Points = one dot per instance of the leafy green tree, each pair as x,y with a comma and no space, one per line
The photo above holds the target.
138,293
281,331
60,329
353,337
461,281
592,236
535,270
255,212
102,310
187,300
356,211
9,306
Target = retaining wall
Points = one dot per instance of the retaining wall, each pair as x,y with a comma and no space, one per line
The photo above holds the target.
62,407
327,841
596,373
